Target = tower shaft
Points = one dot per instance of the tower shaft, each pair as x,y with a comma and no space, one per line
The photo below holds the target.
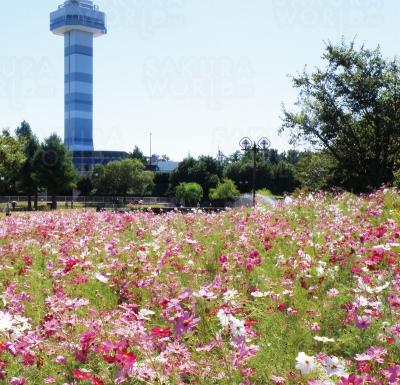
78,90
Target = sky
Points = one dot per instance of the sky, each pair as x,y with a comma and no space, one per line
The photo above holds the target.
184,76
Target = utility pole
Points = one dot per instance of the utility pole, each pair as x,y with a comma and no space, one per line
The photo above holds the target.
150,150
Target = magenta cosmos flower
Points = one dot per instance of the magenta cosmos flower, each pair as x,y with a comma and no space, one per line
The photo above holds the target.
185,322
362,322
351,380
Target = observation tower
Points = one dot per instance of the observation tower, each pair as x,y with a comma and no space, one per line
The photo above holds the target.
79,21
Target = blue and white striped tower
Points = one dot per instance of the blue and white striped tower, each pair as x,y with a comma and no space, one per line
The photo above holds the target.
79,21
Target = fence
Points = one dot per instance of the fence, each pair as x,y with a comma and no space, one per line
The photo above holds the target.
94,199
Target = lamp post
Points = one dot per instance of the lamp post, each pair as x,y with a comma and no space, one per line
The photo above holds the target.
247,145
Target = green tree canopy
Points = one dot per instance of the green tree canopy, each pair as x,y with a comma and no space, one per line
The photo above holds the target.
316,170
225,191
12,154
138,154
24,130
53,168
189,192
122,178
205,171
24,180
350,108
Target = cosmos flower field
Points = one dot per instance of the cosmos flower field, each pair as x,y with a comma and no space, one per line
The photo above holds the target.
305,292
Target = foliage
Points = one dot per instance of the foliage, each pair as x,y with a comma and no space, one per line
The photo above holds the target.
205,171
351,108
85,185
316,170
121,178
189,192
23,176
11,154
24,130
278,178
53,168
158,158
225,191
265,192
138,154
161,184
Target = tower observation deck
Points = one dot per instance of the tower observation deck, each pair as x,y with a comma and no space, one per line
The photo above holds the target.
79,21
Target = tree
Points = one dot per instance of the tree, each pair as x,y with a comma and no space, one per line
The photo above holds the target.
122,177
24,176
351,108
189,192
12,154
85,185
164,158
315,170
161,182
24,130
225,191
138,154
205,171
53,167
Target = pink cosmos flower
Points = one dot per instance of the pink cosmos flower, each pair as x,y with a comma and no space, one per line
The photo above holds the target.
376,353
80,375
177,348
362,322
362,357
394,374
52,326
87,337
351,380
396,330
125,359
208,295
243,352
185,322
18,380
315,327
60,360
277,380
161,332
332,293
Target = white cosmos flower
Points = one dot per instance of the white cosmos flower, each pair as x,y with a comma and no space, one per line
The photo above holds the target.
305,364
229,295
101,277
334,367
6,322
145,312
15,324
224,318
362,301
237,327
323,339
377,289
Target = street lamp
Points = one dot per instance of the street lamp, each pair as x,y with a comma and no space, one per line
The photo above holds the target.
247,145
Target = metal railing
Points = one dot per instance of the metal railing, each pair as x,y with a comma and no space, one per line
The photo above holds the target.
93,199
81,3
